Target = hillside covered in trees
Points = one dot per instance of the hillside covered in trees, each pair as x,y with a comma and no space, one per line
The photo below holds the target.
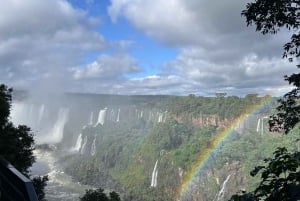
148,147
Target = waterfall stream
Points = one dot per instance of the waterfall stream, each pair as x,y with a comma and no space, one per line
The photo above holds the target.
154,175
221,193
93,148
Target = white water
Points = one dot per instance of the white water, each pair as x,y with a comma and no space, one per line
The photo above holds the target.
154,175
82,150
101,117
258,125
55,135
118,117
160,117
77,146
220,195
60,187
93,148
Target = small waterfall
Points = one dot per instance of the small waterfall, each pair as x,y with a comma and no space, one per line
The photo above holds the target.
78,143
91,118
118,116
93,148
220,195
154,175
101,117
142,114
83,145
258,125
160,117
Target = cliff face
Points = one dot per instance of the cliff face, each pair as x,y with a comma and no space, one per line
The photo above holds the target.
142,151
203,120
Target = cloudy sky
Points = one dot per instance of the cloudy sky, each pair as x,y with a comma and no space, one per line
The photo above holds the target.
175,47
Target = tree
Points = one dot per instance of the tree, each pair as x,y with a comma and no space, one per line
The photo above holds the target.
281,175
99,195
17,143
270,16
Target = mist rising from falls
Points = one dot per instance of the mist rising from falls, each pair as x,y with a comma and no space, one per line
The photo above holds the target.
154,175
46,122
91,118
55,135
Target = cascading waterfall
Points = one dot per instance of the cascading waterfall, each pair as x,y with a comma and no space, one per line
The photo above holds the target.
142,114
101,117
56,133
221,193
160,117
48,128
258,125
154,175
82,150
93,148
78,143
118,117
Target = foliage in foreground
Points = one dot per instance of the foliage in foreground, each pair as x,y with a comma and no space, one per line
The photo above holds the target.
280,178
99,195
17,143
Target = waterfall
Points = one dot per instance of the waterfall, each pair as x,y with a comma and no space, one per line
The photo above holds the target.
154,175
118,117
101,117
160,117
41,113
57,132
93,148
91,118
220,195
78,143
142,113
83,145
258,125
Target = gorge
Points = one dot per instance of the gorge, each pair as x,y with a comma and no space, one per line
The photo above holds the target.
145,147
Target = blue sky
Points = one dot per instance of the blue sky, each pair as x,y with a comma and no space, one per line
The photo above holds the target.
138,47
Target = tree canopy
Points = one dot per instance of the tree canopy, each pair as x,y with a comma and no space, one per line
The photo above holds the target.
269,17
99,195
280,176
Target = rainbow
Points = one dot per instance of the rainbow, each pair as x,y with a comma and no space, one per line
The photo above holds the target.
203,159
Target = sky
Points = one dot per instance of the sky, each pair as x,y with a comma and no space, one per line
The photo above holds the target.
174,47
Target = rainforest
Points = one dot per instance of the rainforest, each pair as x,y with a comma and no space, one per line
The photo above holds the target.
150,147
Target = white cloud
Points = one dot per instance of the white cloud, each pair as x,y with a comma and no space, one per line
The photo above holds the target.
40,40
217,51
107,67
251,73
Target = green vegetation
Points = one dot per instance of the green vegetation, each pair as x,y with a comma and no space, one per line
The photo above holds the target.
128,150
280,175
99,195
